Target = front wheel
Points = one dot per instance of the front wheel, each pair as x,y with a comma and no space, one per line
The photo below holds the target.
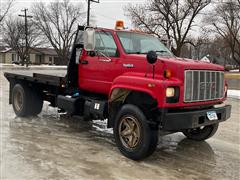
133,136
201,133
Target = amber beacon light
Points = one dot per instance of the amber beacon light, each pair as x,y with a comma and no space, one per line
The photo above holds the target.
119,25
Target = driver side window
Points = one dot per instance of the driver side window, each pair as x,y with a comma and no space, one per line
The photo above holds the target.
106,44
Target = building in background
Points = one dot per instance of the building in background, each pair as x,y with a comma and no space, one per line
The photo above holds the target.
37,56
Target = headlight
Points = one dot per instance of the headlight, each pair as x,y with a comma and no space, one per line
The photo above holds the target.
170,92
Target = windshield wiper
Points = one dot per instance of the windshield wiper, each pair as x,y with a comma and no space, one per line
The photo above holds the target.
137,52
162,51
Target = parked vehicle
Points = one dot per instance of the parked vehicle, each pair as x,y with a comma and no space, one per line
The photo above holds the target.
134,81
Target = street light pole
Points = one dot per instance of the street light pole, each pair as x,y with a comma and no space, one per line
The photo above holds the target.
26,35
88,10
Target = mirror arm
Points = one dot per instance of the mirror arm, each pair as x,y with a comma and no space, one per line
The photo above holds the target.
104,55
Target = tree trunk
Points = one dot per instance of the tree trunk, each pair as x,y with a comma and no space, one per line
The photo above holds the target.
177,51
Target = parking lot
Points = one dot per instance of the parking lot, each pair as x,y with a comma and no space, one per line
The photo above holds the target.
53,146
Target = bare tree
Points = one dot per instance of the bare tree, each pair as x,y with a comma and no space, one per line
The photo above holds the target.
5,10
196,45
226,23
58,21
172,19
14,36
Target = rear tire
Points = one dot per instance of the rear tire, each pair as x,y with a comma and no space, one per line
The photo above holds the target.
133,136
37,103
201,134
25,101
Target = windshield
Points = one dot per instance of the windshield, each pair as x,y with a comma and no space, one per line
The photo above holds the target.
136,43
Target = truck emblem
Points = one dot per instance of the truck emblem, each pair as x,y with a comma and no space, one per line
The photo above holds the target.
128,65
213,86
202,85
209,85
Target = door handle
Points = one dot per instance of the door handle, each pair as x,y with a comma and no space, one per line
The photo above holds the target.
84,62
105,60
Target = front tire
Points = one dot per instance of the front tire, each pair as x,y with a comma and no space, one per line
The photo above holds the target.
133,136
201,134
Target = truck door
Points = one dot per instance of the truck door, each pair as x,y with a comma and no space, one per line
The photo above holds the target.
98,69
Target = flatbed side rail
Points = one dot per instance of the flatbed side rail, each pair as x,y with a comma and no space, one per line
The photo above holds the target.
48,86
38,78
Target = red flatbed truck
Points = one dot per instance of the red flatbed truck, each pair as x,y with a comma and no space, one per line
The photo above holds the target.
134,81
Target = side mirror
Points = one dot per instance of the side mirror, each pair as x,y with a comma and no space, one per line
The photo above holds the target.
151,57
78,53
92,53
89,39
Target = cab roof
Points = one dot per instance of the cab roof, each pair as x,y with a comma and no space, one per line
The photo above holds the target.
121,30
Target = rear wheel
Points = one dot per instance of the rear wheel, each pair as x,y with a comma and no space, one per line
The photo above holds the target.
133,136
201,133
25,101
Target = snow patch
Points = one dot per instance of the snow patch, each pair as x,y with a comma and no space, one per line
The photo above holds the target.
234,94
234,70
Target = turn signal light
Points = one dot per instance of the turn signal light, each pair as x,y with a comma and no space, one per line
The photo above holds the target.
119,25
167,73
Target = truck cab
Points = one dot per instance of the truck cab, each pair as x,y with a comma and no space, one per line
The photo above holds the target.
133,80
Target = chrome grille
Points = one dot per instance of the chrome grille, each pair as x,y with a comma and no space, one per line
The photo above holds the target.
203,85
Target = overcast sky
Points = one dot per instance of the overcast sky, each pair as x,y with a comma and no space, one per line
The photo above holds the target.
106,12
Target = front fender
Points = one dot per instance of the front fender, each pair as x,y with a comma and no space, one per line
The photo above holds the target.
136,83
156,88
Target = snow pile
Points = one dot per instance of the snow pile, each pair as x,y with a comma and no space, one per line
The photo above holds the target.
234,94
234,70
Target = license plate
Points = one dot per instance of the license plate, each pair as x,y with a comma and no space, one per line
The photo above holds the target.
212,115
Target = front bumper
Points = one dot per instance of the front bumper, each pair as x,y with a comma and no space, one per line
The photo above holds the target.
178,121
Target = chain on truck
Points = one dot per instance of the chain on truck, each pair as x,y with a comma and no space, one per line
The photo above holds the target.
134,81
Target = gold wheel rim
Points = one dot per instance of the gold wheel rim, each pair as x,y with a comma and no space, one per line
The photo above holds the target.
129,131
18,100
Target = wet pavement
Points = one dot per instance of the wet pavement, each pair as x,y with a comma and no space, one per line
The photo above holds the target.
51,146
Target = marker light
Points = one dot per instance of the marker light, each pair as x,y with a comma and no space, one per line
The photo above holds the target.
119,25
170,92
167,73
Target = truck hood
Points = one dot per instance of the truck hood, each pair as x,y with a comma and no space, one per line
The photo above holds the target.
184,63
189,64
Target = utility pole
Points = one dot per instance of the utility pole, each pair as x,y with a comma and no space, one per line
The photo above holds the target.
88,10
26,35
